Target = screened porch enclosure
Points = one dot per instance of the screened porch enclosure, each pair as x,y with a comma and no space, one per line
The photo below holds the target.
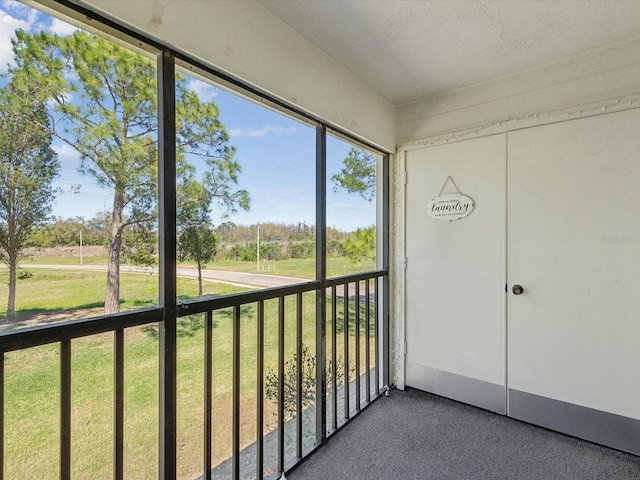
270,297
243,379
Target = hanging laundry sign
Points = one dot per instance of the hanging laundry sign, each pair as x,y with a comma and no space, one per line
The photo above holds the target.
449,207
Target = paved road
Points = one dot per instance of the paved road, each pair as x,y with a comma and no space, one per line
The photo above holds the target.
241,279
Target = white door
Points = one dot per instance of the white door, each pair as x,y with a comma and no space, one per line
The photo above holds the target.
455,277
574,247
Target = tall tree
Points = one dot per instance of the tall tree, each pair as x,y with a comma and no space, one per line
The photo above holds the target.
104,104
358,174
197,240
28,166
200,244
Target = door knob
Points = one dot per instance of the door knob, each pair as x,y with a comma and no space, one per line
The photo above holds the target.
517,289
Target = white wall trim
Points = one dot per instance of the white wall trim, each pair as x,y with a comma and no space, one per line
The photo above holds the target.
398,295
605,76
511,123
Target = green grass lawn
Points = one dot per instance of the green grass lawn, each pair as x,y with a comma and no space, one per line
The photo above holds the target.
296,267
32,380
55,291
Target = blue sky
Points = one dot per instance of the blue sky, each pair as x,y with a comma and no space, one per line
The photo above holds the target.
277,154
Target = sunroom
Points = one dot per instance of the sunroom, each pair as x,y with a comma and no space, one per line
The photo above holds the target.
320,239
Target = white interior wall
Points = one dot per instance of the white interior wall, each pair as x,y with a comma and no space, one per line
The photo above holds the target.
602,80
246,41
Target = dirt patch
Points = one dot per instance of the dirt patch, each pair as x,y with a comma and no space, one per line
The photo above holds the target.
47,318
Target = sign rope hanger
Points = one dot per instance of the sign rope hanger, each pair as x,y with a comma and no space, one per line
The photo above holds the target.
449,179
449,207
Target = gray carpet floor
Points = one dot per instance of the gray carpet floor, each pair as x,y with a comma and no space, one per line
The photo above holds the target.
413,435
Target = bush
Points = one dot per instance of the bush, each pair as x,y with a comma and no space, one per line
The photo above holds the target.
308,392
302,250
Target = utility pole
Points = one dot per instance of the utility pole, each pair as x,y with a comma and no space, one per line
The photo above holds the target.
80,247
258,248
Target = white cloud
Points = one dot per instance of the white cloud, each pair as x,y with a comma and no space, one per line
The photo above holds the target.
18,9
261,132
59,27
14,16
67,96
13,22
205,91
68,156
8,26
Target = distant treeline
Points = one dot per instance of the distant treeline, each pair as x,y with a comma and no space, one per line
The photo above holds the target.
235,242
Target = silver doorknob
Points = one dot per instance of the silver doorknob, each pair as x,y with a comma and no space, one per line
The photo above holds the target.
517,289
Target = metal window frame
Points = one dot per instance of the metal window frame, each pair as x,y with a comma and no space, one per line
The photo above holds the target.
168,59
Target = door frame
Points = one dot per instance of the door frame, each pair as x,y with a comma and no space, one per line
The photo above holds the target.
478,376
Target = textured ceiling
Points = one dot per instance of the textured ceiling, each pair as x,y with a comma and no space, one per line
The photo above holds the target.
411,50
